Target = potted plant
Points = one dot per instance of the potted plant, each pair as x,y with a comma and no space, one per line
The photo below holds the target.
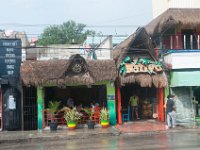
52,109
90,122
104,117
71,116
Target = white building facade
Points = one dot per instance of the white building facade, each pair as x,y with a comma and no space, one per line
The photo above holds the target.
159,6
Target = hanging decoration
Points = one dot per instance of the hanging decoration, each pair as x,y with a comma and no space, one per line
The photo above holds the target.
139,65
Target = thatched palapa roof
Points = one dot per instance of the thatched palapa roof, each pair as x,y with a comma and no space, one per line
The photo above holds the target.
139,40
174,16
138,45
59,72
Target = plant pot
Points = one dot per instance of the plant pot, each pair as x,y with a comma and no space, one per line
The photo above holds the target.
105,123
90,124
71,125
53,126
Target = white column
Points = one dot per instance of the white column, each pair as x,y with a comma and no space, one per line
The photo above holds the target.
191,42
177,41
184,41
171,42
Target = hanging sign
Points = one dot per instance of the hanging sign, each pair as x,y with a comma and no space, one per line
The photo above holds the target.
140,65
140,68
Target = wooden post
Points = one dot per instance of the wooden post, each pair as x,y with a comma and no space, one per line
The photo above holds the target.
40,103
119,105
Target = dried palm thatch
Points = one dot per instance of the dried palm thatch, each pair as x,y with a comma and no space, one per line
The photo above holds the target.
138,45
145,80
58,72
139,40
174,16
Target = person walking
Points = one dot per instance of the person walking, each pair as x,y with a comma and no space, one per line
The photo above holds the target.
134,102
170,112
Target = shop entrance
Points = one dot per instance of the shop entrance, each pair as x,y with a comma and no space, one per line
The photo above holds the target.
81,95
30,108
147,100
75,96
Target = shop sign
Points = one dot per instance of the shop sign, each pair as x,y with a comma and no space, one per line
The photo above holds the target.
10,58
110,97
140,68
139,65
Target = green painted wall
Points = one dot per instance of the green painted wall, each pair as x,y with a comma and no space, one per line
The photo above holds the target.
111,102
166,92
40,103
185,78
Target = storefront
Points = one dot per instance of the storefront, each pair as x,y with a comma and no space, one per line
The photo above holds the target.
84,81
185,84
140,74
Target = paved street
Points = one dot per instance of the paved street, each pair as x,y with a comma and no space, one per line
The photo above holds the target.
164,141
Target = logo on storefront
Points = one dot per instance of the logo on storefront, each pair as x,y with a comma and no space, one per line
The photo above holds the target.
140,68
77,68
139,65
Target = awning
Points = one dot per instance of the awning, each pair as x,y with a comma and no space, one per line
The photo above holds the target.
185,78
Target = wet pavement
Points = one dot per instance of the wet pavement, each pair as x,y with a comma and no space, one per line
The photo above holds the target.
141,126
64,134
141,134
165,141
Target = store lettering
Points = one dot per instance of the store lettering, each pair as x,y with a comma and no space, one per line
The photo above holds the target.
140,68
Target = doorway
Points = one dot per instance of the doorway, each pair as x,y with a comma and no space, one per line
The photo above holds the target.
147,100
30,108
11,108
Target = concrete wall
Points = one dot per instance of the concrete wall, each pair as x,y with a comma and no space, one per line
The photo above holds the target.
184,107
105,49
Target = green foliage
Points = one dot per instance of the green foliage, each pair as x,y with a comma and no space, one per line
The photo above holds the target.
53,107
66,33
90,112
72,115
104,114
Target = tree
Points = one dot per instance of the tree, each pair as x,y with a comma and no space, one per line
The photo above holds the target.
66,33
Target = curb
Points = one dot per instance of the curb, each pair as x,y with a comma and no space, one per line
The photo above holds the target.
59,136
149,133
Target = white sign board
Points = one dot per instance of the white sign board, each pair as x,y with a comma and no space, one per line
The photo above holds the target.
11,103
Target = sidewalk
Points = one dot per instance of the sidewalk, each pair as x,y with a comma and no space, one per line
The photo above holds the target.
64,134
139,128
149,127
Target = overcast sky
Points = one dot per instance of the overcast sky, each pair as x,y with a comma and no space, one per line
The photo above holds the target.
32,16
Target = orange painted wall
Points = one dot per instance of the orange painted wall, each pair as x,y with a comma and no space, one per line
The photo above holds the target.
161,110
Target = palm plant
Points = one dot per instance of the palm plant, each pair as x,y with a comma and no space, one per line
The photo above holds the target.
72,115
89,112
104,114
53,108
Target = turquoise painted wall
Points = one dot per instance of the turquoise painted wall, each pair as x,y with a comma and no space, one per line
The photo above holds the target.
111,102
40,103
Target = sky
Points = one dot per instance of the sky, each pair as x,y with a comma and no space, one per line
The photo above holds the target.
111,17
